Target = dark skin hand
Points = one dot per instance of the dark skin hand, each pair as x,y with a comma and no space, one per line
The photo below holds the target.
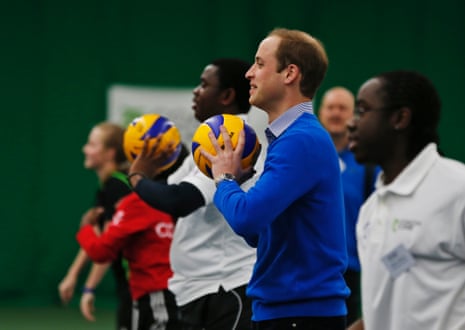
149,161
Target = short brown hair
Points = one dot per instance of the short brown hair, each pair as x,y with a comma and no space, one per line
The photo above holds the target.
306,52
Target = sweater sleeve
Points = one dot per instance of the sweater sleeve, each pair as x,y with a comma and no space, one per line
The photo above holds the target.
288,174
130,218
94,248
178,200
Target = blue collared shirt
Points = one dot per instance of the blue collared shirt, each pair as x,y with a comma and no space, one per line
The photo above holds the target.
280,124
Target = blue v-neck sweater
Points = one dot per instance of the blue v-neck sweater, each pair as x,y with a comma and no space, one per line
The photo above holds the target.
294,216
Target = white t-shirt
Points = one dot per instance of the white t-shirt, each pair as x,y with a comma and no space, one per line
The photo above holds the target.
411,243
205,252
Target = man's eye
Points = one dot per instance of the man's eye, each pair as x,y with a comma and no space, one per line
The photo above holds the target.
358,112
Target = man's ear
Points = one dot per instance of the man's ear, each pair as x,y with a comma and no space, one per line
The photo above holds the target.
292,72
228,96
401,118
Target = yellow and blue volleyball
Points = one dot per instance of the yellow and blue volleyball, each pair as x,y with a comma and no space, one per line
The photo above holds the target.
152,126
234,125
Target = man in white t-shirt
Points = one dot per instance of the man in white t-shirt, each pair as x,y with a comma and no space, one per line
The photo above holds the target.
211,264
410,232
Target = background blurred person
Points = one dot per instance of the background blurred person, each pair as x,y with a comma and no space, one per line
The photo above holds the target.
104,155
143,235
211,264
335,112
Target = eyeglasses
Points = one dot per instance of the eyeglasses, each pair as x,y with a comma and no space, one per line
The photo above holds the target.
360,112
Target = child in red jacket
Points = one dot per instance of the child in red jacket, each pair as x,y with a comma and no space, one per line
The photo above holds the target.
144,235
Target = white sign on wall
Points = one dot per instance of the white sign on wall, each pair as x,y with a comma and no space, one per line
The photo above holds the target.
127,102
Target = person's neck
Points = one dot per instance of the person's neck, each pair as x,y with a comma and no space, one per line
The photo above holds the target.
392,169
232,110
397,159
105,171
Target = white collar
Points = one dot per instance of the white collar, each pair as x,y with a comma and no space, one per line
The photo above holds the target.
411,176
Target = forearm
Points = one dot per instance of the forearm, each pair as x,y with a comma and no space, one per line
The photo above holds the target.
248,213
98,249
67,285
96,274
176,200
79,262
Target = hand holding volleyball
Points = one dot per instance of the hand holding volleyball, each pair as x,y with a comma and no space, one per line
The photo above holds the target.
227,143
157,138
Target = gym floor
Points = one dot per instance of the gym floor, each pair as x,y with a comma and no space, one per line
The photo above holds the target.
54,318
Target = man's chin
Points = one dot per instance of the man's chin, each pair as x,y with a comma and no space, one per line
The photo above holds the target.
196,116
360,157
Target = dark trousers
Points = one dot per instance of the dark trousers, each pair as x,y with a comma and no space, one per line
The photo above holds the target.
307,323
156,310
223,310
353,302
124,311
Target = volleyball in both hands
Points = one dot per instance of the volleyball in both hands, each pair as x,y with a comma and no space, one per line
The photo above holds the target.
233,124
152,126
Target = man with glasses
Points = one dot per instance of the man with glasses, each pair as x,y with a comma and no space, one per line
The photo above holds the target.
410,232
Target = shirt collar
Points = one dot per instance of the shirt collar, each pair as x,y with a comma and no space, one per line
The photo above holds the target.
411,176
280,124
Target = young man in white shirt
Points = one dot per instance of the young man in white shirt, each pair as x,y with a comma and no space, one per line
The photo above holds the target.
410,232
211,264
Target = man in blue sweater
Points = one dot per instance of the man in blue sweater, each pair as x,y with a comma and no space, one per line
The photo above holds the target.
336,110
294,214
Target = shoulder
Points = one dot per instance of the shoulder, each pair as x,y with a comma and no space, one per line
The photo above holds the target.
132,204
450,173
128,200
453,165
306,133
115,182
307,127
